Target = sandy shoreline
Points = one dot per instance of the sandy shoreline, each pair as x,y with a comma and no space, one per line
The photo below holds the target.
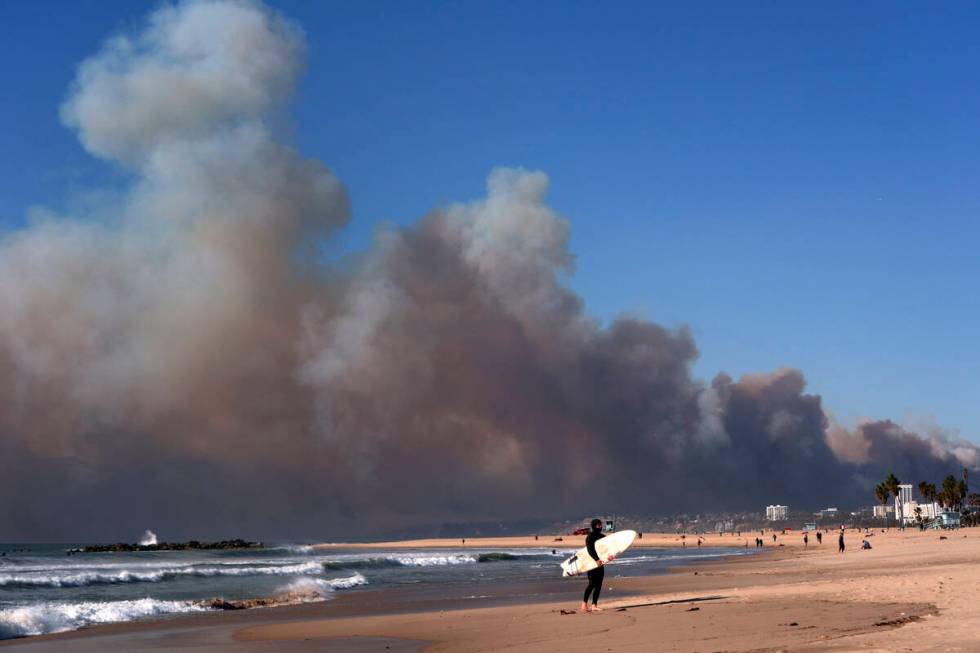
911,592
669,540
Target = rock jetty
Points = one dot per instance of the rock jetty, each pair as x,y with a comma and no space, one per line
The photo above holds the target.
168,546
289,598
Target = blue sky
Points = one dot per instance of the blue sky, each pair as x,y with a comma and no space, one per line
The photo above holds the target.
798,184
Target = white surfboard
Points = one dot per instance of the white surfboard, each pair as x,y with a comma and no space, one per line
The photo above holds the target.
609,546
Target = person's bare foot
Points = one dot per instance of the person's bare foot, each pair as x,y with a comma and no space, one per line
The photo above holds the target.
596,608
585,607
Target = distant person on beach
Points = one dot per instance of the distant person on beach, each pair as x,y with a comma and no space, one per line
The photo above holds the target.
595,575
819,537
840,542
806,540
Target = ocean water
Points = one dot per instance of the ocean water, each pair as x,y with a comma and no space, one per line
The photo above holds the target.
44,590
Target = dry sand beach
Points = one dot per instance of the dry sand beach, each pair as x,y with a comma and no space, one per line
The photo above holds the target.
912,592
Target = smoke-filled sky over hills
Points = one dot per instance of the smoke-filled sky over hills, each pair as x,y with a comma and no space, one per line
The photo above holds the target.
181,355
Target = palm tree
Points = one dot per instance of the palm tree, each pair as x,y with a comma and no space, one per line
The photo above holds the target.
882,493
944,499
892,484
924,490
951,491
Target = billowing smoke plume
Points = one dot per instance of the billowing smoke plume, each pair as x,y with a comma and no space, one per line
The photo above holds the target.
185,358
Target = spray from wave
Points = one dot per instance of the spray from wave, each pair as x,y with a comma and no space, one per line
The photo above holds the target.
149,538
301,590
187,338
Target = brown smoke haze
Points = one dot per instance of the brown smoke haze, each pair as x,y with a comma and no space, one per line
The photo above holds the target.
185,361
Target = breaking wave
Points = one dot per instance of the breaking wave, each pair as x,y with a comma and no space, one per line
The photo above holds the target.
361,563
401,560
116,574
305,549
497,557
87,578
426,559
324,586
56,617
53,617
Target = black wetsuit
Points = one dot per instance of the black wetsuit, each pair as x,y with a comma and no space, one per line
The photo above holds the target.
596,575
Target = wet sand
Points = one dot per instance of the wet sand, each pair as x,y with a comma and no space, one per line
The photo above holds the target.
911,592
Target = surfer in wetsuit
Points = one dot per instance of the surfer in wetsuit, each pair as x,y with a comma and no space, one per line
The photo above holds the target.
595,575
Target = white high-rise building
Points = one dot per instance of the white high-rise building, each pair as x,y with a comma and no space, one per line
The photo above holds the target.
902,502
776,513
883,511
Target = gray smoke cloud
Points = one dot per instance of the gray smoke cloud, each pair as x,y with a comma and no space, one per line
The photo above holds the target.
185,360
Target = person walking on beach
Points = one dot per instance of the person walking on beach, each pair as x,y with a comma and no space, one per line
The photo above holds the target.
806,540
595,575
819,537
840,542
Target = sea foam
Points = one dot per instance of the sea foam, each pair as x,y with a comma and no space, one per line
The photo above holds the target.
65,578
56,617
52,617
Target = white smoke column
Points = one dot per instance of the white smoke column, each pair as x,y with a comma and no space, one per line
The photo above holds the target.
198,67
149,538
166,326
128,316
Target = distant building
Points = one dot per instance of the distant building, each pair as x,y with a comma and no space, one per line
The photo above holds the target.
926,512
883,511
828,513
905,507
901,503
776,513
